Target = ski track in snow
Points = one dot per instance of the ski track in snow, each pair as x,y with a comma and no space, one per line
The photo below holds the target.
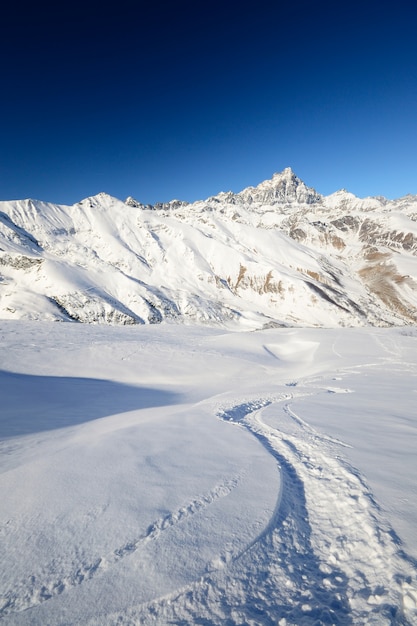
327,556
35,590
306,567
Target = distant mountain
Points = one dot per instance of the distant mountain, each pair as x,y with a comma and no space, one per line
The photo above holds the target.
276,254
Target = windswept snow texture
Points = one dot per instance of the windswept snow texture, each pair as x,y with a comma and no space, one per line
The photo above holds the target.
278,254
172,474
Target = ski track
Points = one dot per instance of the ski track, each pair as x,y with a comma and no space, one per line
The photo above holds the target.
326,557
37,589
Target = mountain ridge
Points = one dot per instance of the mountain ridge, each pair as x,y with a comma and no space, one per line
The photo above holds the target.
279,253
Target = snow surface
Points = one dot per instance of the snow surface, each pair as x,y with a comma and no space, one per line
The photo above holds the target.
276,254
177,474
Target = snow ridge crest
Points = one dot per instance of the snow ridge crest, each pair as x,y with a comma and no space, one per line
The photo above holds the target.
278,254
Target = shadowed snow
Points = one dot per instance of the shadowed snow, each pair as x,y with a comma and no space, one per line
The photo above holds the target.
31,404
184,475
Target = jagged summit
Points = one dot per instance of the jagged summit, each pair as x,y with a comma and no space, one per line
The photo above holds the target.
283,188
278,253
287,176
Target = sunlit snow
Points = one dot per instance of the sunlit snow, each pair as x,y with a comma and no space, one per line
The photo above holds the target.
275,254
177,474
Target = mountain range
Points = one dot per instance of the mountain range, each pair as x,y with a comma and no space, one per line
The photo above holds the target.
278,254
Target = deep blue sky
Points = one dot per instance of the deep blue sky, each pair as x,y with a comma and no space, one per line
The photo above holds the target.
184,99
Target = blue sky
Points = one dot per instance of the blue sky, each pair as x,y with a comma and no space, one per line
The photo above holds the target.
184,99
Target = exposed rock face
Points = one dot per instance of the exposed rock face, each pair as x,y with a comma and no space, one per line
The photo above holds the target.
284,188
275,254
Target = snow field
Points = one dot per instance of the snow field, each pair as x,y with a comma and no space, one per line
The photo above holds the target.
172,474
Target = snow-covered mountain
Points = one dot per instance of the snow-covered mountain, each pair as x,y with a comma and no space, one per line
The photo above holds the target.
276,254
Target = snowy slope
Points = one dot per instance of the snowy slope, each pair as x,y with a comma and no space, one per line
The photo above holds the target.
276,254
187,475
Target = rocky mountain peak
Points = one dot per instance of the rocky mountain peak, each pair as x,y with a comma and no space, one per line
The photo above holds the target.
283,188
278,253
